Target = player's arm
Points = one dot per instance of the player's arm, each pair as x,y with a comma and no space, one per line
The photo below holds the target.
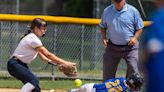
44,52
104,38
138,33
43,57
135,38
68,68
138,22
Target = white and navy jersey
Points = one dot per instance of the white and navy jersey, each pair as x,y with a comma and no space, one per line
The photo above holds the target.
25,50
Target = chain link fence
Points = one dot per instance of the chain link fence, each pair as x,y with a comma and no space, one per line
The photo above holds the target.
73,42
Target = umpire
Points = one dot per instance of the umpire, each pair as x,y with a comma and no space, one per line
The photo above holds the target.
121,26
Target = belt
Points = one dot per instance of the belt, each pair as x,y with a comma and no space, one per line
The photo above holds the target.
15,58
109,42
19,61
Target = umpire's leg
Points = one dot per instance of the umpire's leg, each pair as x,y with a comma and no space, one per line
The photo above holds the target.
132,61
110,64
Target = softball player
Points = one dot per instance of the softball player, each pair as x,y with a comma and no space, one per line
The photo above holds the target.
27,50
153,50
132,84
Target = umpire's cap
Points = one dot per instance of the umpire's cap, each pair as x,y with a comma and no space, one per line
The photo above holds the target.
117,1
135,81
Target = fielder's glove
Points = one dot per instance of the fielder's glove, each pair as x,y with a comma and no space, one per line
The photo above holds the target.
68,70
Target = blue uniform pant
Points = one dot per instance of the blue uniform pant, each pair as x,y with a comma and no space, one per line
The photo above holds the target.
155,72
21,71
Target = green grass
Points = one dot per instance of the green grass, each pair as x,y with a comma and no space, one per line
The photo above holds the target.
45,84
10,84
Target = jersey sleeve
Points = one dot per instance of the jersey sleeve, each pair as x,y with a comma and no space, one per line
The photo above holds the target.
36,43
138,20
102,22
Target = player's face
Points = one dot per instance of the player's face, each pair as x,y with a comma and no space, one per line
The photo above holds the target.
131,87
118,1
119,4
159,3
41,31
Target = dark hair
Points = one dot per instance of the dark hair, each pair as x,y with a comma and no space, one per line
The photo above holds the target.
37,22
29,31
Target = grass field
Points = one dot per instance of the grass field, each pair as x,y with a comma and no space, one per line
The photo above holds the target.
44,84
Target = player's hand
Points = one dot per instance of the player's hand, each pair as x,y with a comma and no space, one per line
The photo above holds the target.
68,68
69,63
133,41
105,41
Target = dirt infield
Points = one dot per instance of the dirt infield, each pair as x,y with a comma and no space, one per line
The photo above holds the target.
17,90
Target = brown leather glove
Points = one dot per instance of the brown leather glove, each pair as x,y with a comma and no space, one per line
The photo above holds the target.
68,70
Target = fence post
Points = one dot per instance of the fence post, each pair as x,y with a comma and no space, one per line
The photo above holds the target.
11,39
82,48
1,45
95,48
54,49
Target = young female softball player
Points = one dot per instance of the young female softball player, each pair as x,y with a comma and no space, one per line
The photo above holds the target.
27,50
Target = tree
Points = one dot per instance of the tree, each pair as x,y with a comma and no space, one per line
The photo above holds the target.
73,8
80,8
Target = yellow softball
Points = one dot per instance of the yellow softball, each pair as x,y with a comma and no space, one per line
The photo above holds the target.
77,82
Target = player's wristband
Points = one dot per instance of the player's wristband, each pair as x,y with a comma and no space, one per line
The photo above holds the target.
51,62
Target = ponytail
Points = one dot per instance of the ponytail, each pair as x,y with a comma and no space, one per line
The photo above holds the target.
29,31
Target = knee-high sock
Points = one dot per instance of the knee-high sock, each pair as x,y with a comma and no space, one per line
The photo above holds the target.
28,87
